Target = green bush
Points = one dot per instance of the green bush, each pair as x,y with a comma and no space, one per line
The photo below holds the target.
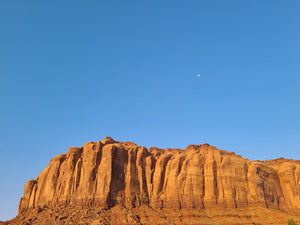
291,222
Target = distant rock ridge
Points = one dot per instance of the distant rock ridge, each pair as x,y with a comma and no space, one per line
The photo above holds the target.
109,173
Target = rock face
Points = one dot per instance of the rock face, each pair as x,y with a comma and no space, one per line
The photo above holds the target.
109,173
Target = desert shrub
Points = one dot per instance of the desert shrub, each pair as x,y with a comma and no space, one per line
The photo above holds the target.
291,222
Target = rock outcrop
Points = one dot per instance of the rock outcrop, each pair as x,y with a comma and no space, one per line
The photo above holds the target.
110,173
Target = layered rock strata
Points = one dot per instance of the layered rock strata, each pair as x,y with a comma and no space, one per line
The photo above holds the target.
109,173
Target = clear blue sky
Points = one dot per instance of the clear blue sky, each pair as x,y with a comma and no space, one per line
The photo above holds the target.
77,71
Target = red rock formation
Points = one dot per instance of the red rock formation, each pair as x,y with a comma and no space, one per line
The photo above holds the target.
109,173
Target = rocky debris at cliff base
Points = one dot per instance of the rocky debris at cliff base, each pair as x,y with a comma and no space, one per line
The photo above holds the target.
146,215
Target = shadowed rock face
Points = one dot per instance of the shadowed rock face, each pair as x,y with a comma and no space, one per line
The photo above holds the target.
109,173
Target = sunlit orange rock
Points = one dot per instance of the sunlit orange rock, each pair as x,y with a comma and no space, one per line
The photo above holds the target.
110,173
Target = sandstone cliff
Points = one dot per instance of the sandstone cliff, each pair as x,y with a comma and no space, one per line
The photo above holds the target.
109,173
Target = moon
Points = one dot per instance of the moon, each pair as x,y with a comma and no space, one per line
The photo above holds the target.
198,75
